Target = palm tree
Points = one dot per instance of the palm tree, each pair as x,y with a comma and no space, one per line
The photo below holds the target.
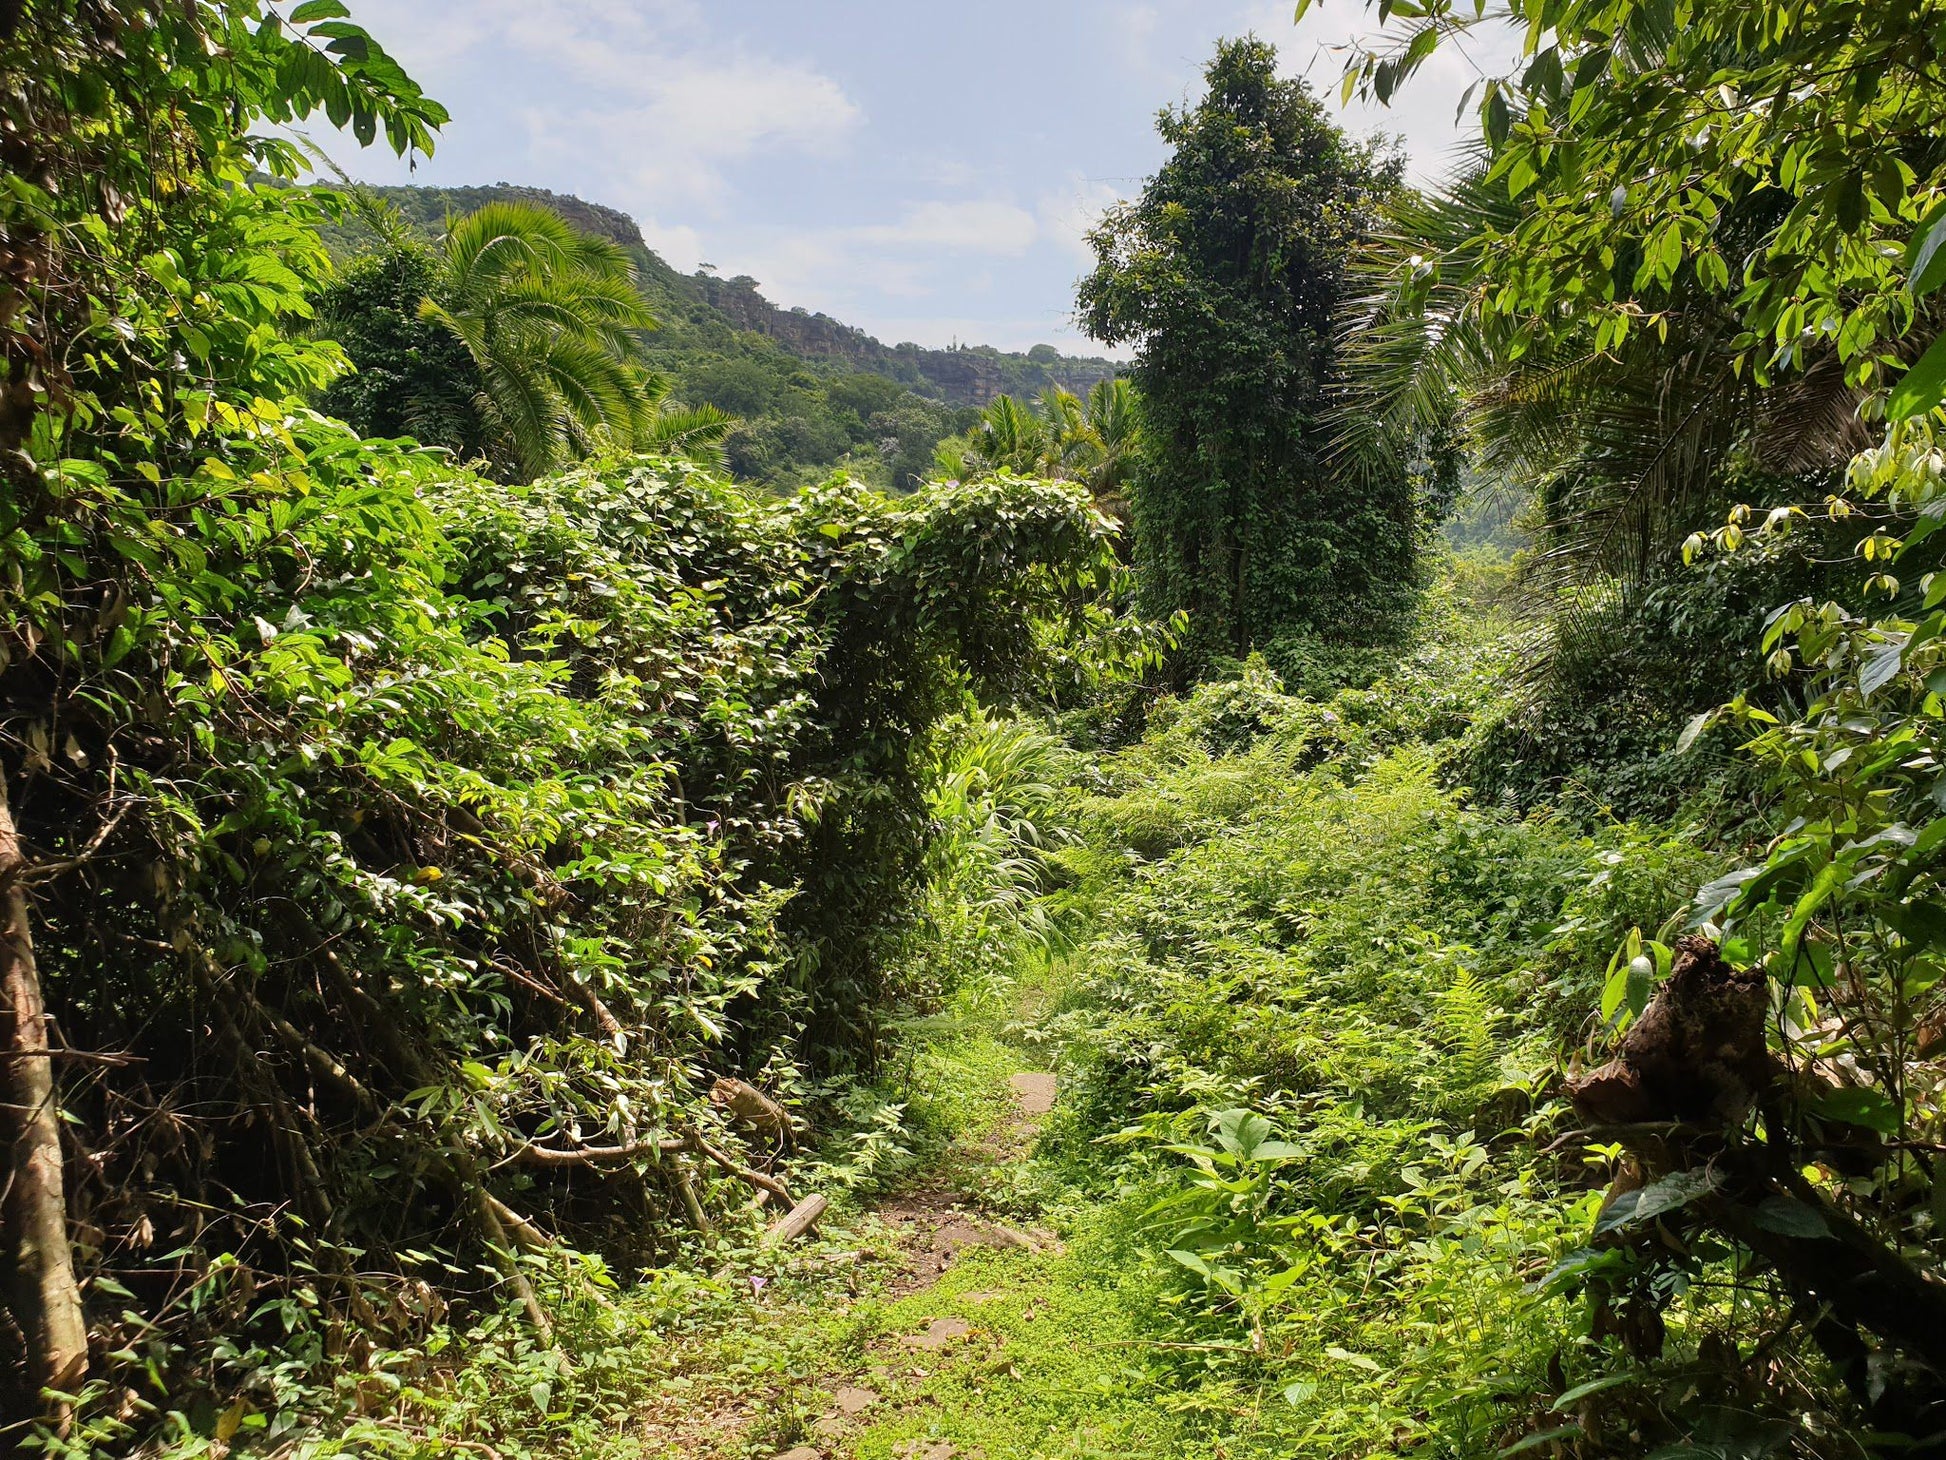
552,318
1620,448
1094,442
1115,424
1011,437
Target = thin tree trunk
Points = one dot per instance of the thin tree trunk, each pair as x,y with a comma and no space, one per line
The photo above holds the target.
42,1293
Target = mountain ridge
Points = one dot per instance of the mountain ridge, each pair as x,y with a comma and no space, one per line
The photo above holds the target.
962,376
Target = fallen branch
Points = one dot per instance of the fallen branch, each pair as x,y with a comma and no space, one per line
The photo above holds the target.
530,1237
501,1245
26,874
687,1189
757,1179
532,1155
796,1222
751,1106
80,1056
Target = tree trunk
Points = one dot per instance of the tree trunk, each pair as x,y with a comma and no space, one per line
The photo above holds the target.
41,1291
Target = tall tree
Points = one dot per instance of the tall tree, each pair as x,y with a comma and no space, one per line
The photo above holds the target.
1226,274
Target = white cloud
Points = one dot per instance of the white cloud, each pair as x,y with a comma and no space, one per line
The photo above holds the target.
926,250
675,140
983,226
1069,216
662,113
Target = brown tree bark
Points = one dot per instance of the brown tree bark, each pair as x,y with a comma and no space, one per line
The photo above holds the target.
41,1291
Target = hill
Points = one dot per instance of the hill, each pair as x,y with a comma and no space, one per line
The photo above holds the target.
812,392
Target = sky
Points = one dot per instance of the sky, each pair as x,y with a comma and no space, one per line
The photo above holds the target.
925,170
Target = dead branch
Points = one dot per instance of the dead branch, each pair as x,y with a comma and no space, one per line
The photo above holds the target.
530,1237
502,1248
796,1222
751,1106
757,1179
532,1155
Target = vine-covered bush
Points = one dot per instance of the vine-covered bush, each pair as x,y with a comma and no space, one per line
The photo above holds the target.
468,829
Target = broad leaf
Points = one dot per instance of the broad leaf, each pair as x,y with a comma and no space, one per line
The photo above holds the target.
1922,387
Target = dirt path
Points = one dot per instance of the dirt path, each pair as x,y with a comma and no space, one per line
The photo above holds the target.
865,1376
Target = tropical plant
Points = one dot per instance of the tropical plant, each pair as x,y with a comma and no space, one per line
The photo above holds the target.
549,320
1643,147
1095,442
140,283
1227,275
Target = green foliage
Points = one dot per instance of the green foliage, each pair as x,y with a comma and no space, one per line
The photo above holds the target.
1817,102
406,750
547,321
1312,1037
415,848
1096,442
1724,223
414,377
1227,275
810,394
147,281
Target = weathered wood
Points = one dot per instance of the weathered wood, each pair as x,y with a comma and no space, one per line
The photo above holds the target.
42,1293
742,1173
698,1218
1689,1073
751,1106
501,1245
1697,1054
796,1222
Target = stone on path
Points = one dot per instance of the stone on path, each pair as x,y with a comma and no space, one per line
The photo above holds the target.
1034,1092
939,1333
802,1452
851,1401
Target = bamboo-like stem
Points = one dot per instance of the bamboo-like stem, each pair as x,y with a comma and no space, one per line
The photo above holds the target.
41,1289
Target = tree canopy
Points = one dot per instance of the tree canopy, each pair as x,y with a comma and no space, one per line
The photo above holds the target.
1227,275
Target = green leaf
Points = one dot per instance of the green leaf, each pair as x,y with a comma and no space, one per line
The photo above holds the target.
312,10
1190,1260
1499,118
1922,387
1925,258
1545,1437
1677,1189
1921,924
1792,1218
1693,731
1357,1361
1593,1386
1815,896
1873,1109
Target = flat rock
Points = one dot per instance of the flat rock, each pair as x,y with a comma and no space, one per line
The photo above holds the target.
852,1401
939,1333
921,1450
802,1452
1035,1093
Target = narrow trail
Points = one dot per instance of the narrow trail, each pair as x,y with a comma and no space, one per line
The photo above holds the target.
934,1230
948,1330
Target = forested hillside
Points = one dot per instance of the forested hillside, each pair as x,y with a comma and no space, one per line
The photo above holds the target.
808,390
1370,885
